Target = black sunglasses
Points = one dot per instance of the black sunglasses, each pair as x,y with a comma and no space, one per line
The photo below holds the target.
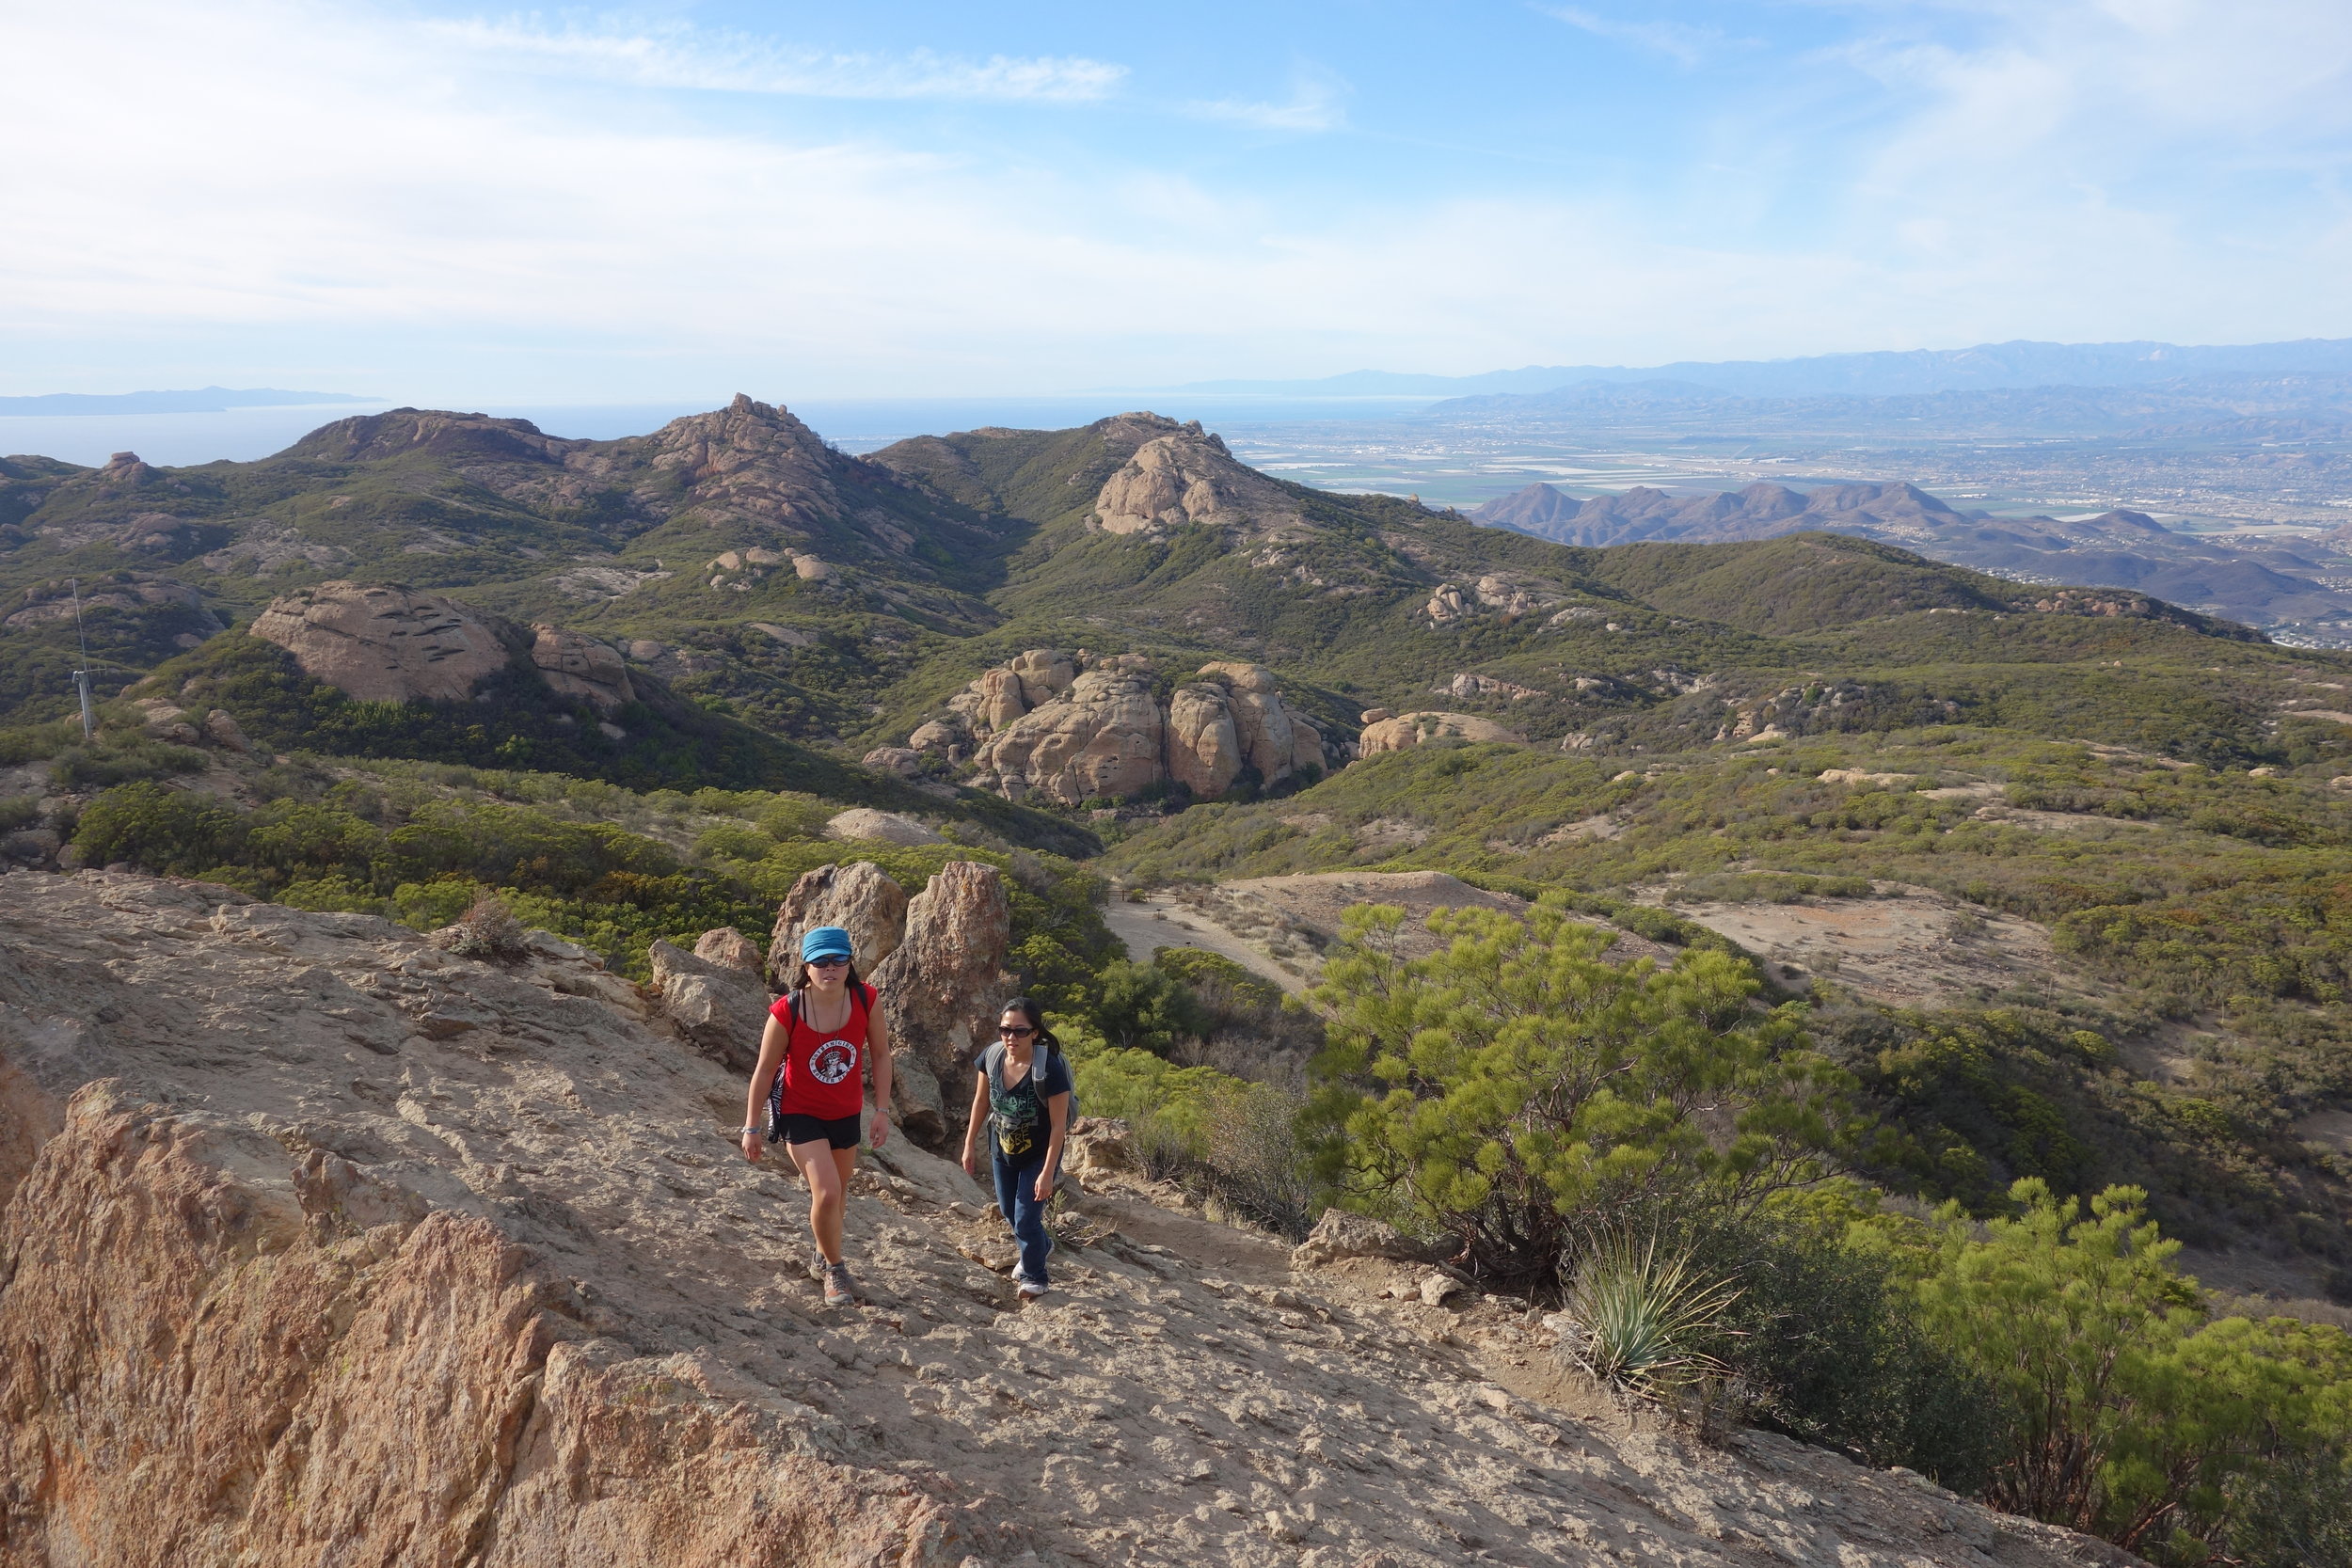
825,963
1016,1030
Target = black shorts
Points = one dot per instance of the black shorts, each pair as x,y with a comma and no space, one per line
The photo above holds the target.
841,1131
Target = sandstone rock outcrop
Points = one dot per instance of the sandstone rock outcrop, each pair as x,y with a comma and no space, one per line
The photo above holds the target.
858,898
728,948
1339,1235
577,666
942,989
1187,476
1407,730
721,1008
386,644
1077,729
376,1254
882,827
1102,737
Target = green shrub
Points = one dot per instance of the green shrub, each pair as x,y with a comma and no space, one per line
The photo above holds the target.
18,810
115,760
170,831
1518,1089
2124,1411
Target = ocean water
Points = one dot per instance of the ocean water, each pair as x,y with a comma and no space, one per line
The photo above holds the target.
860,425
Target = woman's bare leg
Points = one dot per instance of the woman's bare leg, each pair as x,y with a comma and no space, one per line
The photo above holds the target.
828,1182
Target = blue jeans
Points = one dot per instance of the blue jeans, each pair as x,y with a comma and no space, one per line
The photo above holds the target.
1016,1196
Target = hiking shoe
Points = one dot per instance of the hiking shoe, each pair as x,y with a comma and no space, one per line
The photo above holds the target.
1031,1290
840,1289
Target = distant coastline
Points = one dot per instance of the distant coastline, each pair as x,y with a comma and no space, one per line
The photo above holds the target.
208,400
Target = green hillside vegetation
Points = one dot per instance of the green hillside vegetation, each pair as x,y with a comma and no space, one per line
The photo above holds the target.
611,868
2193,897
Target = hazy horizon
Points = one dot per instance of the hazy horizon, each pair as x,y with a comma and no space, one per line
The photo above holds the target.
457,205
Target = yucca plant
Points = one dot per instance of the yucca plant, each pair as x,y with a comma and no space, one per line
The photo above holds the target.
1641,1324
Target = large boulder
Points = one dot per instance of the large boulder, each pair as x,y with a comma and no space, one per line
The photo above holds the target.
1044,675
719,1009
1205,755
880,827
1408,730
1101,737
857,897
942,989
388,644
1187,477
728,948
1274,740
577,666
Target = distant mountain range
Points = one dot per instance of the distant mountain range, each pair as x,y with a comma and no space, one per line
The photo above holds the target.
2115,549
1985,367
207,400
2229,405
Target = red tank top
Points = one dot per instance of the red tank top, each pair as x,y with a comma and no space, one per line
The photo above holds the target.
823,1075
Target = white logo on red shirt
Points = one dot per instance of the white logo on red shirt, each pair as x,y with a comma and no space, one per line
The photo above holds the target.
832,1061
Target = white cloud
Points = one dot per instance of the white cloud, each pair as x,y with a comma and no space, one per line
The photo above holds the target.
681,55
1678,41
349,194
1316,103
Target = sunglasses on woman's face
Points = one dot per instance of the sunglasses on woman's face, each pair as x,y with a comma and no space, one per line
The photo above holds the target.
1017,1031
828,963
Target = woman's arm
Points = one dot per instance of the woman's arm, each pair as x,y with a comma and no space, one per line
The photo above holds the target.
973,1124
1057,1113
772,1043
878,1043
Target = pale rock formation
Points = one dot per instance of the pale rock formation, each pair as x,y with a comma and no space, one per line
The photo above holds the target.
886,826
1516,595
386,644
857,897
645,650
942,989
905,762
721,1007
355,1290
1446,604
1044,675
1407,730
947,736
810,569
1466,686
162,719
1101,737
728,948
581,667
1187,476
1274,740
222,727
1205,755
1075,729
1374,715
1339,1235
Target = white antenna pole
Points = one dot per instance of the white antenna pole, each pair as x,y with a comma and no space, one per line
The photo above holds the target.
81,677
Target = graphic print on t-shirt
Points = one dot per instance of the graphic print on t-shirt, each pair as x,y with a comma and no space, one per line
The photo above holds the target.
832,1061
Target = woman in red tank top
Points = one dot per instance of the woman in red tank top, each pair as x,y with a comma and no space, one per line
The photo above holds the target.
811,1079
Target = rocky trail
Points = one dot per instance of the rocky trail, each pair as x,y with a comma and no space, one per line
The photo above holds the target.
323,1245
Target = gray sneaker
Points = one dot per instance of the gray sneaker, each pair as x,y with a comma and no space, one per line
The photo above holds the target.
840,1289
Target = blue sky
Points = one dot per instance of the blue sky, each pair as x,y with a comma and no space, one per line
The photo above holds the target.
447,203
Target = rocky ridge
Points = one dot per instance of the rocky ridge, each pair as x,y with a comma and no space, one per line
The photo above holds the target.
377,1253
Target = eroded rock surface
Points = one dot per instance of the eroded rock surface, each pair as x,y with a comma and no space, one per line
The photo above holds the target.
722,1007
386,644
1187,477
371,1254
1407,730
1082,728
942,989
859,898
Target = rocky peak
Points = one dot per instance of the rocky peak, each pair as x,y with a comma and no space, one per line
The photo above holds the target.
438,433
751,462
1186,476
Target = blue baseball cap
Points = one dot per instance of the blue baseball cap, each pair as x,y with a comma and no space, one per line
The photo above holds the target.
825,942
